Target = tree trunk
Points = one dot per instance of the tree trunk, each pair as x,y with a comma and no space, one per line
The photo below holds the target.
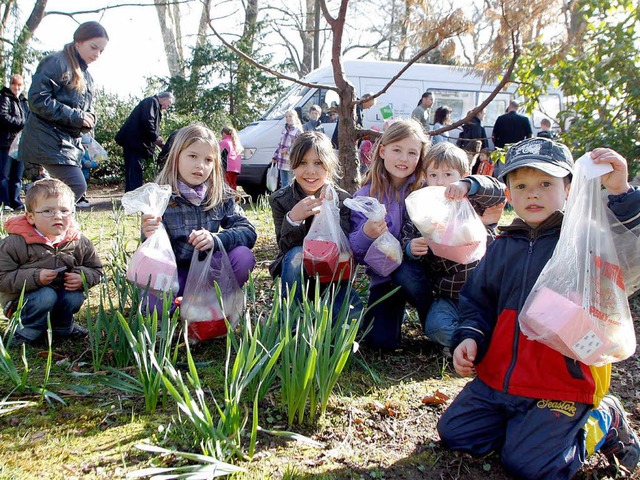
347,139
22,42
169,18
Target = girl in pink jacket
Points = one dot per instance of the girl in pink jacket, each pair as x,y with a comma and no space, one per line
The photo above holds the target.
231,155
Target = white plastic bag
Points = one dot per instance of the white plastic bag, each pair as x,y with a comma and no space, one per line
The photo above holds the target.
13,149
452,228
326,249
272,178
153,265
385,253
200,307
578,306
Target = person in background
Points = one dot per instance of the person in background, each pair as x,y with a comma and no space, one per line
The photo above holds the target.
139,136
366,103
314,123
473,130
292,128
485,165
545,130
441,118
511,127
422,112
61,102
13,114
231,155
46,255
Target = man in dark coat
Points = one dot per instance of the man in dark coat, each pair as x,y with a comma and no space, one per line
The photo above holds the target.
473,131
511,127
140,134
13,113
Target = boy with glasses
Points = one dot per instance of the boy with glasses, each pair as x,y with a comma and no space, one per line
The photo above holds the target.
46,254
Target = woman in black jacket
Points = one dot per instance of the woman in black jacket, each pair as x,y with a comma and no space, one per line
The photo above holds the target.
13,112
61,102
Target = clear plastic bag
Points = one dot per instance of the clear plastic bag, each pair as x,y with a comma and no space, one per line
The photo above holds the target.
13,149
578,306
153,265
200,306
452,228
272,178
326,249
97,153
385,253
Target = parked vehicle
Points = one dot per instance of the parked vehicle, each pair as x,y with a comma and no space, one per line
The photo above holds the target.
459,88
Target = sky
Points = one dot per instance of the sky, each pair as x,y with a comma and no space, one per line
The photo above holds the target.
135,50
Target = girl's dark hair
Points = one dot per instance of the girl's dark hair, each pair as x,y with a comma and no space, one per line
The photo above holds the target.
441,114
321,144
84,32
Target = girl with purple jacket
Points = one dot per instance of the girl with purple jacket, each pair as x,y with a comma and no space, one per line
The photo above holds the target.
397,169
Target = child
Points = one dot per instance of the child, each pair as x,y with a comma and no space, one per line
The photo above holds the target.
201,206
528,401
292,128
87,164
231,153
294,207
545,130
396,170
485,165
46,254
447,165
314,123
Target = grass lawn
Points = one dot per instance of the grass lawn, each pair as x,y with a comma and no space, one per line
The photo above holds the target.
380,420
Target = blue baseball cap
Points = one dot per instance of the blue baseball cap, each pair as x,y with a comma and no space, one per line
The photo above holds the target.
540,153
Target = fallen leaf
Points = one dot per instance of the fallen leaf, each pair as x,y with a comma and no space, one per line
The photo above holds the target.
438,398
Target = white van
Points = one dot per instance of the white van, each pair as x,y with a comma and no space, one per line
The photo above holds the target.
457,87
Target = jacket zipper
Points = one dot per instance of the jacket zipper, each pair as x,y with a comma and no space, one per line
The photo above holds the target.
516,336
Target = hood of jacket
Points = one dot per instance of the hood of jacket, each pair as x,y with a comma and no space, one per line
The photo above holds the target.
20,226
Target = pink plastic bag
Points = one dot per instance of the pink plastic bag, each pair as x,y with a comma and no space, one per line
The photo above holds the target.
452,228
153,265
385,253
326,249
578,306
201,307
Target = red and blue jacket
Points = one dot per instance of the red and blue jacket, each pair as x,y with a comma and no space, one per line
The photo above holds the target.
492,298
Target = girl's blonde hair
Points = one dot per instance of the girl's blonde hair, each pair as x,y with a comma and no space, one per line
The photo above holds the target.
380,179
321,145
84,32
229,130
296,118
217,189
448,155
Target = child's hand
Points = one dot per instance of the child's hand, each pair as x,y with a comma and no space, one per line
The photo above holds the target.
305,208
373,229
463,357
419,247
492,215
46,276
150,224
73,281
201,239
457,190
615,182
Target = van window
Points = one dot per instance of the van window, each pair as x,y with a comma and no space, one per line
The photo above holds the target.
496,108
318,97
287,101
459,101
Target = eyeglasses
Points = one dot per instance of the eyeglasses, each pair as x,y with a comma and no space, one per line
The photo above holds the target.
48,213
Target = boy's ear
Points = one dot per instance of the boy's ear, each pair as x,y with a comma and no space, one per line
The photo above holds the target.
29,217
567,189
507,193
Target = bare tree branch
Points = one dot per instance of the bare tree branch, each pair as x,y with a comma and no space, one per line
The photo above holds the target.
111,7
265,68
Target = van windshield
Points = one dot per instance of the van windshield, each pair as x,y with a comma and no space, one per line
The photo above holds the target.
287,101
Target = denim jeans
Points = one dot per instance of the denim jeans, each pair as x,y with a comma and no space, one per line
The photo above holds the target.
10,180
442,320
62,304
71,175
293,272
286,177
387,316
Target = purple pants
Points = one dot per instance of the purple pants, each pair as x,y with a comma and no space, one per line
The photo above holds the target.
242,262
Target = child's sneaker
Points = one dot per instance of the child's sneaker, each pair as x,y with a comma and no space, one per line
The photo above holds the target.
621,442
83,202
18,340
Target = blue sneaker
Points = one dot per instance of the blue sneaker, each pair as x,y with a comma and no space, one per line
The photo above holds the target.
621,445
